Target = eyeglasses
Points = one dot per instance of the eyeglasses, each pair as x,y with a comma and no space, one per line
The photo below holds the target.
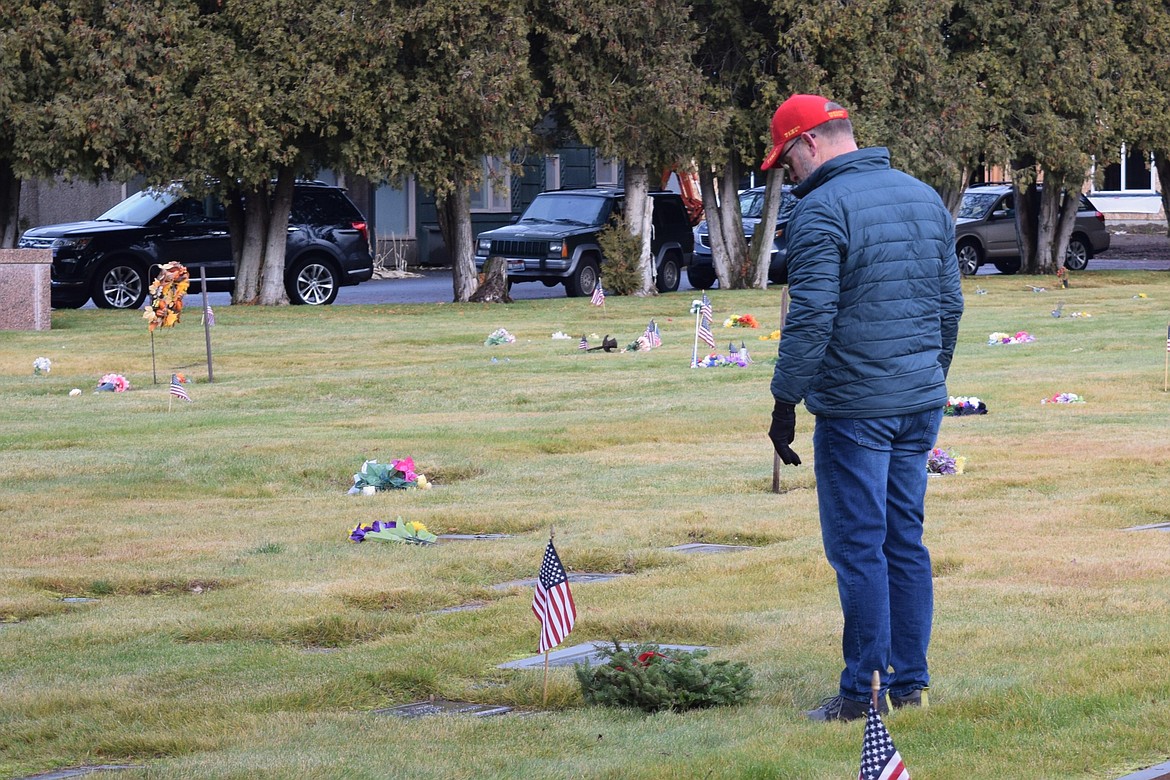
784,163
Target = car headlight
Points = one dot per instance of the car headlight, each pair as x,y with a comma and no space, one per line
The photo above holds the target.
483,246
555,247
76,244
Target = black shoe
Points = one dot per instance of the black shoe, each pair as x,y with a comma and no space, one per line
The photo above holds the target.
916,698
840,708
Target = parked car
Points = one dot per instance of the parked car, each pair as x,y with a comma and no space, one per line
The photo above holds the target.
113,258
701,273
555,240
985,231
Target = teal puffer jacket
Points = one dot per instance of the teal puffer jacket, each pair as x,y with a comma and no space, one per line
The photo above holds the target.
874,290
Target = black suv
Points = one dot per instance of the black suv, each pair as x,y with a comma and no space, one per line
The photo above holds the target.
701,273
555,241
113,258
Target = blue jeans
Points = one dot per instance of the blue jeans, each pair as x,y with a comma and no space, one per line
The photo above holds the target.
871,490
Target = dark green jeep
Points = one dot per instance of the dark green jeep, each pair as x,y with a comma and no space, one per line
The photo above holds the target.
555,241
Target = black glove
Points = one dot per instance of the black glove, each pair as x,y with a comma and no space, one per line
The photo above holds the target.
783,431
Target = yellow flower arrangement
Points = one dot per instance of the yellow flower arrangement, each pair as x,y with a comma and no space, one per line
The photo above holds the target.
166,296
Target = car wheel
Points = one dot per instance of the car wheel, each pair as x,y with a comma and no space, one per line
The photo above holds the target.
120,284
701,278
313,282
1008,267
583,280
1076,258
970,257
669,274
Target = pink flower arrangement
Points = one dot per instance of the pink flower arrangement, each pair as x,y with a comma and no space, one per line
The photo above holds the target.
113,383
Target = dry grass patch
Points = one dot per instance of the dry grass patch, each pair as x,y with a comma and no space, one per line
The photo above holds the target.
1049,652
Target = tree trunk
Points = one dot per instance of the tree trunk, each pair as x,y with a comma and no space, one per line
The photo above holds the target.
638,213
707,188
760,251
247,289
1046,228
738,273
494,286
1027,211
1070,204
9,205
454,211
1162,164
724,222
952,191
272,290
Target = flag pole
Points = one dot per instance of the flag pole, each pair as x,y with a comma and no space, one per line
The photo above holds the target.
544,696
695,351
876,686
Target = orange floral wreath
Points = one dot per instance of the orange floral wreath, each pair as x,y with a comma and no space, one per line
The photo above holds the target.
166,296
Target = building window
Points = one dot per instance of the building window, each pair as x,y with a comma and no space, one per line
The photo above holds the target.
494,194
1133,174
552,172
394,209
607,172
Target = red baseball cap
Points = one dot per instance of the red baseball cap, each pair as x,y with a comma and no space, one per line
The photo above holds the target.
798,114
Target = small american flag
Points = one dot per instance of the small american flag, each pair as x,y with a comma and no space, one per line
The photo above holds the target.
880,760
553,602
177,388
584,343
1168,338
208,316
653,337
705,322
598,297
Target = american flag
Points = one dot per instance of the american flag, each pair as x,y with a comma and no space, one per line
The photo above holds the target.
177,388
553,602
653,337
880,760
598,297
1168,338
584,343
705,322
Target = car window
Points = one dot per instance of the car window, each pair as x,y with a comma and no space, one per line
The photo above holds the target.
567,209
976,204
322,207
751,204
199,210
140,207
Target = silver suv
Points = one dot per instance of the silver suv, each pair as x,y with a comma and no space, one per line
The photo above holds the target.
985,231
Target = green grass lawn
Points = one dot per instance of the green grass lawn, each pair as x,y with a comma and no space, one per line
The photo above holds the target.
237,633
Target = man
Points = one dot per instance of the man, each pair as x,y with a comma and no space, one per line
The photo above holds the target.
874,315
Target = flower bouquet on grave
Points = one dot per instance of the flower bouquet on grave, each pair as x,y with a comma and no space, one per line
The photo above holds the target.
499,336
1063,398
395,475
1021,337
741,321
713,360
942,462
962,405
112,383
42,365
393,531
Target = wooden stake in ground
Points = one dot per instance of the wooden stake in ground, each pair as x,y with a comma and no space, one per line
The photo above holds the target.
1166,365
776,462
207,320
